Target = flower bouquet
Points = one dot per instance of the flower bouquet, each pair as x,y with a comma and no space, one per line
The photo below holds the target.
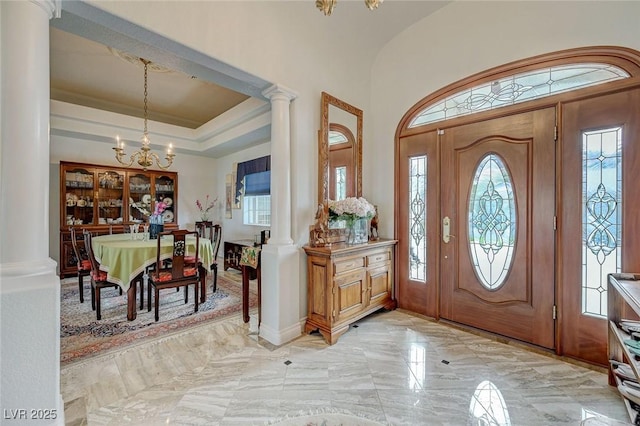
355,212
156,221
206,208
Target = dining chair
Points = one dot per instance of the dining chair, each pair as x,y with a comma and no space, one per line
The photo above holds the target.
214,233
178,273
82,262
98,278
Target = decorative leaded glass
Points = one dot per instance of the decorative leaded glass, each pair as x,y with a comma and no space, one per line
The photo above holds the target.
492,222
601,215
337,137
418,218
341,183
518,88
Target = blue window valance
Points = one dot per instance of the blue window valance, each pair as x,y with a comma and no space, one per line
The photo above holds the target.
258,165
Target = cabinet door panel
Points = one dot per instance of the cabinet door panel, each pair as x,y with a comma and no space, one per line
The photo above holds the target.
350,294
379,279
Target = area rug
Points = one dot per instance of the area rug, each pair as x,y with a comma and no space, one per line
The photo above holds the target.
81,335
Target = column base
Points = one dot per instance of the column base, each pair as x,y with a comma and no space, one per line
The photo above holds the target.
280,293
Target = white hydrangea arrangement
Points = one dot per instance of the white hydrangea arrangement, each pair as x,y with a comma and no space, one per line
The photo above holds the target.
350,209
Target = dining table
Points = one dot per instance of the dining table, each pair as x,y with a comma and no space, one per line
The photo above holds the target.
126,257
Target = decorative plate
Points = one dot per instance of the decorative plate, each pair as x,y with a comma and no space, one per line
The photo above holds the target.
167,216
146,199
168,201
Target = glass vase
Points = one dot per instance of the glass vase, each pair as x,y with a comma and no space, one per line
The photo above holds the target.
156,225
357,232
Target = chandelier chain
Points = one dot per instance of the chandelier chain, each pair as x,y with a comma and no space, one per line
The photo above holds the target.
146,66
145,157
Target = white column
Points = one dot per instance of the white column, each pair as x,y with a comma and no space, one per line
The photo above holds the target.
281,98
280,258
29,286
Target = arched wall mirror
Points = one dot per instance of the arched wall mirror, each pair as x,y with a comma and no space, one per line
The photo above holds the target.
340,150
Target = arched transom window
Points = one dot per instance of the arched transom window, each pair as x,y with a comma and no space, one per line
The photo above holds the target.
518,88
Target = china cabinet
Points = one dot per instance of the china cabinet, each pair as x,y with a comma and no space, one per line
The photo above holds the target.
347,282
106,199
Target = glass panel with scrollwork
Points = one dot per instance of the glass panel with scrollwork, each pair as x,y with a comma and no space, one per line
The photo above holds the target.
518,88
417,218
341,182
601,215
492,222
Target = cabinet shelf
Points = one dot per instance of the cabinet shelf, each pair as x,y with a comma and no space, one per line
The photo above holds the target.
623,303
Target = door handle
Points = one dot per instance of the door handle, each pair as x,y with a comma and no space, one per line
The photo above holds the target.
446,229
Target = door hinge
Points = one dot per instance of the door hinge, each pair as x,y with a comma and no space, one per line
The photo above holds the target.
555,223
555,312
440,132
334,313
555,133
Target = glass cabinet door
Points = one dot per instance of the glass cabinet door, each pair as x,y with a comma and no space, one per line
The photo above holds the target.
79,196
140,200
165,193
110,191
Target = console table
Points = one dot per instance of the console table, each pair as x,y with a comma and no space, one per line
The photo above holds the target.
232,254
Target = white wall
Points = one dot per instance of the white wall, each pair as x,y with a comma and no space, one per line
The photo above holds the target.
468,37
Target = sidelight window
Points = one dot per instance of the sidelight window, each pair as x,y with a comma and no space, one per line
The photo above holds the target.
417,209
601,215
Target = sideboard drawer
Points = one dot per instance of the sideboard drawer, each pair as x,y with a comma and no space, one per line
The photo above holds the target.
378,257
344,265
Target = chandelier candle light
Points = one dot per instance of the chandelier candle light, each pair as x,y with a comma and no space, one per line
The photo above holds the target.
145,157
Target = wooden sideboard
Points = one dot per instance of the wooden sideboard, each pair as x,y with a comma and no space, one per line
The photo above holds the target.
346,283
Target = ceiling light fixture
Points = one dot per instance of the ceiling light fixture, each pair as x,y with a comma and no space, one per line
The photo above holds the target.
326,6
145,157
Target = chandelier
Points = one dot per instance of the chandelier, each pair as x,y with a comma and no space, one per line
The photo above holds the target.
326,6
145,157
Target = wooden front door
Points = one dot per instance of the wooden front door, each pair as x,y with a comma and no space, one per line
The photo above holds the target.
599,220
497,226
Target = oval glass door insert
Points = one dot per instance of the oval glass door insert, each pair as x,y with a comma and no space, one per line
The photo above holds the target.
492,222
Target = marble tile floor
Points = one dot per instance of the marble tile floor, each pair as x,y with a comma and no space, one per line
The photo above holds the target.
391,367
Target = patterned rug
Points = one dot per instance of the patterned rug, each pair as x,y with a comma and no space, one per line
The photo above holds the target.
81,335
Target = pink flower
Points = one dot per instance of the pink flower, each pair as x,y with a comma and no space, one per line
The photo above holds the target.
209,205
160,207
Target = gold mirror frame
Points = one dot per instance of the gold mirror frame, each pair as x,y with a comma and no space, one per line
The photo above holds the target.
323,146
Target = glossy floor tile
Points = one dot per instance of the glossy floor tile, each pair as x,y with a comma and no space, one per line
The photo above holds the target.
390,368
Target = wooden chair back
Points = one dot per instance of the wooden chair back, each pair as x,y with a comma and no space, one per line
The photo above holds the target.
212,232
178,238
95,266
76,249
